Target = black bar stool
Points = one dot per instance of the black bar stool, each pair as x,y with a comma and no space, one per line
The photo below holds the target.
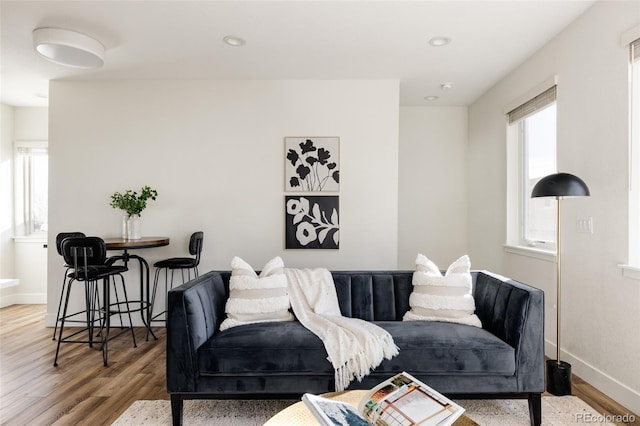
59,238
87,256
184,264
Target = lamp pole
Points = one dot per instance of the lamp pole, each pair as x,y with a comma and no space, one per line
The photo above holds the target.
559,185
558,372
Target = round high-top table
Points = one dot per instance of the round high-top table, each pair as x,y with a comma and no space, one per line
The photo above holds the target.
299,415
142,243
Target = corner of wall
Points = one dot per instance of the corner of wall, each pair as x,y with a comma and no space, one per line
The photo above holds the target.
6,191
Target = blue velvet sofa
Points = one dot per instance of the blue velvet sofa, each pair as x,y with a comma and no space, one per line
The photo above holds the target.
503,359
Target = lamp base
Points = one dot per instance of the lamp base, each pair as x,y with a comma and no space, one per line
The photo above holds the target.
558,377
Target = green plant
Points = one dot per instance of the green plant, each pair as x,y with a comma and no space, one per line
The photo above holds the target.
131,202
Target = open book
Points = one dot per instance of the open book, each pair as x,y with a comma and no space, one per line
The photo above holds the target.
400,400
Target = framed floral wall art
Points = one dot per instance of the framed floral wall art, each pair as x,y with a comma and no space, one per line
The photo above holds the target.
312,164
312,222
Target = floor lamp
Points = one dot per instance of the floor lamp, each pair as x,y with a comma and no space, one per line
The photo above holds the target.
559,185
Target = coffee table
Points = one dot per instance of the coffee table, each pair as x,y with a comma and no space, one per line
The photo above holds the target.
299,415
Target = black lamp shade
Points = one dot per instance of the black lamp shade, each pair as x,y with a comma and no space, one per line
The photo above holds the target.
560,185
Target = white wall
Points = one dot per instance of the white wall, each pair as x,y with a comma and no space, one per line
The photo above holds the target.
214,150
599,307
6,191
8,281
432,207
31,123
23,259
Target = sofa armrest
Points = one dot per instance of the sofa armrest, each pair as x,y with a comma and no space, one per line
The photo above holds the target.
194,313
514,312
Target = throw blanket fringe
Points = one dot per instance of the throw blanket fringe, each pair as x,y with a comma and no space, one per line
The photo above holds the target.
354,346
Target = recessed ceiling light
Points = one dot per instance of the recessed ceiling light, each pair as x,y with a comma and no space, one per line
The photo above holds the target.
69,48
234,41
431,98
439,41
446,86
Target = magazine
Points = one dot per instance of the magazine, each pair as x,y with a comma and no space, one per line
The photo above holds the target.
401,400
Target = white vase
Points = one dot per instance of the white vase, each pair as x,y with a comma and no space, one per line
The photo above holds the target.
133,227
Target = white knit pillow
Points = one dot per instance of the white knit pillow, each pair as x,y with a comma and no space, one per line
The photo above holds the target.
442,298
254,298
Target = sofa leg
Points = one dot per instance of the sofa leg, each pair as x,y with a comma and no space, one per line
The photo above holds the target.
176,409
535,409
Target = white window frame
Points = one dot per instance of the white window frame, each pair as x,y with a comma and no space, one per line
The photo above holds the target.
516,197
631,41
525,193
23,190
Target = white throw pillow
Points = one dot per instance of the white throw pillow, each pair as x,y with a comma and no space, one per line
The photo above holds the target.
254,298
442,298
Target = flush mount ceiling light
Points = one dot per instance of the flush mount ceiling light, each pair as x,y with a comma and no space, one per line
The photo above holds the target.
446,86
431,98
439,41
69,48
234,41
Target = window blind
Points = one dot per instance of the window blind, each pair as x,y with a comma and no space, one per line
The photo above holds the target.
635,50
31,151
541,101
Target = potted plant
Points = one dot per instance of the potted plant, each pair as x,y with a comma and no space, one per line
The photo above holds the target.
133,204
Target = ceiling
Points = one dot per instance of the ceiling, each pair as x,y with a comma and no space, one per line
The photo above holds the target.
287,40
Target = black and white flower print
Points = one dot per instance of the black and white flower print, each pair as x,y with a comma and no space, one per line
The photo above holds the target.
312,222
312,164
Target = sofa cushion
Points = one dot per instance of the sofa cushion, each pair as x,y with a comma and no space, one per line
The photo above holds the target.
446,348
289,348
275,347
438,297
254,298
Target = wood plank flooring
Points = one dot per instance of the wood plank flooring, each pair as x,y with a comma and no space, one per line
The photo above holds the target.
81,391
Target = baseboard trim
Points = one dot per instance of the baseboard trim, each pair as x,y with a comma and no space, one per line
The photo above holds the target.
23,299
610,386
8,300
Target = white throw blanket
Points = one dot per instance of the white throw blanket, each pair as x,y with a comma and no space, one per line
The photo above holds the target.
354,346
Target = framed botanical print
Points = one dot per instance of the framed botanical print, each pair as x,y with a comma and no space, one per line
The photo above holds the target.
312,222
312,164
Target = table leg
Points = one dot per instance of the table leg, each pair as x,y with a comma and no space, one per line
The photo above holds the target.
145,303
107,318
144,295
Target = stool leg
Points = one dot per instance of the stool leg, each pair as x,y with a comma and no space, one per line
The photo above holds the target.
107,319
64,283
117,311
126,299
96,307
64,315
166,294
88,303
155,290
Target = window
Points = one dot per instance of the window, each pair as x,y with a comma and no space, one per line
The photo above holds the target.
532,153
634,154
31,187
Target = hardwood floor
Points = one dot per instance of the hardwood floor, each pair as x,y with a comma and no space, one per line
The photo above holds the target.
81,391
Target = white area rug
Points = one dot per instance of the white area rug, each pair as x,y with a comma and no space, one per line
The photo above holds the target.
556,411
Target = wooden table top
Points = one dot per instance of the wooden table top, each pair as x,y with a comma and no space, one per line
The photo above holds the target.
299,415
144,242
